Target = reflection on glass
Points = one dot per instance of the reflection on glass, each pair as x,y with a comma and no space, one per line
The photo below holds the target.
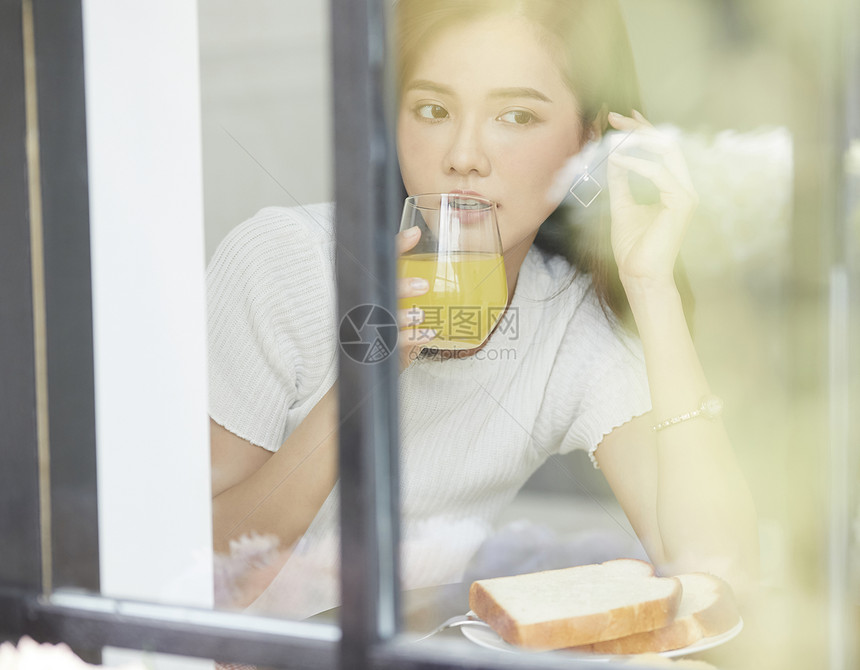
498,442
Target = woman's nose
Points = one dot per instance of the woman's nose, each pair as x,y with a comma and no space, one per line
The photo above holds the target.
467,153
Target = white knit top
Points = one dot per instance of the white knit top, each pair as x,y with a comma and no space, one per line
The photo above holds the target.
555,376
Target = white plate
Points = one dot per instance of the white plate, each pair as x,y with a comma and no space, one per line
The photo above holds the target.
487,637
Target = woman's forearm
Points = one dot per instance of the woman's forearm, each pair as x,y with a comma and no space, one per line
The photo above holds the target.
283,496
705,510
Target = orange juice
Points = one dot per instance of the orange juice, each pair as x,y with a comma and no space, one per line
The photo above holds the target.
468,294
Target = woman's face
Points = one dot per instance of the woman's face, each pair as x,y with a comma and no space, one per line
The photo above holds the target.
485,110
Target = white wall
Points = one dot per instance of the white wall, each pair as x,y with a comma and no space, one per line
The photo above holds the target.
143,127
266,101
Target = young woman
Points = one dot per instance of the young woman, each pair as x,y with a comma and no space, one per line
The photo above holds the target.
496,96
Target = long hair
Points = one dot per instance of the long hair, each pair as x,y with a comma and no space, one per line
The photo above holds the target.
589,40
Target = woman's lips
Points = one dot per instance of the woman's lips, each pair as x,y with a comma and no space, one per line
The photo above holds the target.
475,194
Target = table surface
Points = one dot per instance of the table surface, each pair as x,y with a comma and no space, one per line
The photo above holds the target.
423,609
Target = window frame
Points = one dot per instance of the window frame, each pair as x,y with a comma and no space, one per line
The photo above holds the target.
843,550
51,296
19,459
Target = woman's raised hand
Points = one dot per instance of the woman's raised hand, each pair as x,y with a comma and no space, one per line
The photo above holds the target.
646,238
412,336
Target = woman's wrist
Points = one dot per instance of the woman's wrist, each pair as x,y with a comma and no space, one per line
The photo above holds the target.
643,294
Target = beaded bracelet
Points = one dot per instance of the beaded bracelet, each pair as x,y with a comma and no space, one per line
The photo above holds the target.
711,407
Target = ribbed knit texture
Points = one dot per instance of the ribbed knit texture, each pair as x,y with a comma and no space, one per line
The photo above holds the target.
270,292
558,377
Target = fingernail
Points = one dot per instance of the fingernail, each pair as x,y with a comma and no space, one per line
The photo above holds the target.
412,232
419,284
615,116
428,334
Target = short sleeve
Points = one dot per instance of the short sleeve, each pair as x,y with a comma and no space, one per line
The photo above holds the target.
598,382
271,323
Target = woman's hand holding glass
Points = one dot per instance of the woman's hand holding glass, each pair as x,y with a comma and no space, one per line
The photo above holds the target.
412,336
646,238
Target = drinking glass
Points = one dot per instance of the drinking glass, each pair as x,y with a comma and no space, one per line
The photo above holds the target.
459,253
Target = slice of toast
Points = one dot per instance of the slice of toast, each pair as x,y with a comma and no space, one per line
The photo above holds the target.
576,606
707,608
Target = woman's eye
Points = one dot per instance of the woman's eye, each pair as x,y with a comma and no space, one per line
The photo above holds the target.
518,117
432,112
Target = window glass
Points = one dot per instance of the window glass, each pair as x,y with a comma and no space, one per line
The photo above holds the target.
266,96
266,124
499,445
731,86
205,282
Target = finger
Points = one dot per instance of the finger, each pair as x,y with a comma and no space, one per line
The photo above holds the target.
652,141
408,287
652,170
621,122
406,239
638,137
666,149
615,140
636,119
672,192
620,193
638,116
